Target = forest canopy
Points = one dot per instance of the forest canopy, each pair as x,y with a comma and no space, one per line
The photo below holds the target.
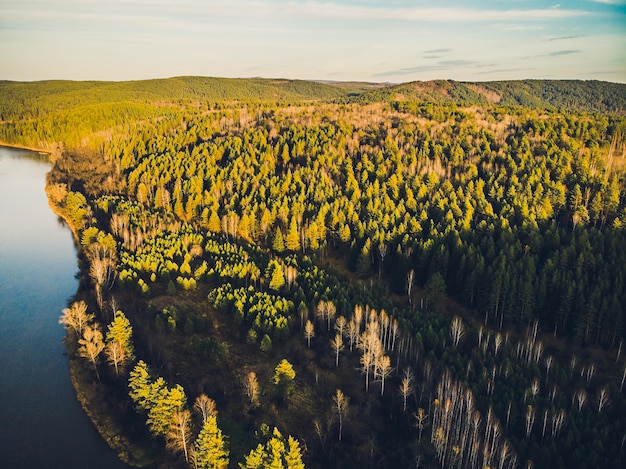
446,258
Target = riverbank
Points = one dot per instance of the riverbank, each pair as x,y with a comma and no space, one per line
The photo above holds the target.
102,413
23,147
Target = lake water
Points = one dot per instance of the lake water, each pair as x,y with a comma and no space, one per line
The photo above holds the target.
41,423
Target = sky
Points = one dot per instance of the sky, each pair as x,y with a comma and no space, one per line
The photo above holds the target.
368,40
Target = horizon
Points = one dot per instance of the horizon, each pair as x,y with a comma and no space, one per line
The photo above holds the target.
380,84
369,41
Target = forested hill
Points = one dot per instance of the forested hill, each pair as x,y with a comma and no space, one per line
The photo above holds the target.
20,98
569,94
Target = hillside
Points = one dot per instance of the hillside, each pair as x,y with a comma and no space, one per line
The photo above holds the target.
567,94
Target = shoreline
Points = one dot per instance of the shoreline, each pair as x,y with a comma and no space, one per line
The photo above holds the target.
25,147
129,453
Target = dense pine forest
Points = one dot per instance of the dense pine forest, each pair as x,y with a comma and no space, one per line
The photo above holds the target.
284,273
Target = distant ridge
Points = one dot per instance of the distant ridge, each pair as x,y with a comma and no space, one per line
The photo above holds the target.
570,94
19,99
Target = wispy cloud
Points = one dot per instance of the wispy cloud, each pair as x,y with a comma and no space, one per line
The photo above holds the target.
564,52
563,38
439,66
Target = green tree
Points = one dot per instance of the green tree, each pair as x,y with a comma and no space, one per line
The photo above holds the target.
292,243
284,376
139,384
274,454
279,243
434,290
210,448
166,403
277,276
119,342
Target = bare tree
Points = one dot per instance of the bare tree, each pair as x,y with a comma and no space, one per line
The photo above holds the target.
252,388
421,420
382,369
91,345
337,345
341,405
580,398
558,420
530,419
591,370
115,354
410,276
326,310
603,398
549,360
206,406
497,342
178,435
309,332
75,318
290,275
340,325
572,365
353,332
406,386
457,330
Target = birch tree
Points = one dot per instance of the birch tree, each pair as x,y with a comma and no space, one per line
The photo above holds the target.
337,345
76,317
341,406
178,436
91,345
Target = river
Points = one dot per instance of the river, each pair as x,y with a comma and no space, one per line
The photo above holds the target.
41,423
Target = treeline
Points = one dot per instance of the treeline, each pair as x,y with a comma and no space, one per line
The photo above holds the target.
578,95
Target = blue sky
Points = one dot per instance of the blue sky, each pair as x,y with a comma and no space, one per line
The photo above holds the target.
367,40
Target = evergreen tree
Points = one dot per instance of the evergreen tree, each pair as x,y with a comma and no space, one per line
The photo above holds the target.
275,453
278,244
210,448
284,376
292,243
119,341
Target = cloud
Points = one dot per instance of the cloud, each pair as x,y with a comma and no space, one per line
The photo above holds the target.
563,52
439,66
437,51
563,38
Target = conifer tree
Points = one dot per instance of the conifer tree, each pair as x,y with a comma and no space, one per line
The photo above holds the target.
292,243
210,448
278,244
284,376
275,453
119,341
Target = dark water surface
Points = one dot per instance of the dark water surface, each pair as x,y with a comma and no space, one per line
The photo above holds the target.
41,423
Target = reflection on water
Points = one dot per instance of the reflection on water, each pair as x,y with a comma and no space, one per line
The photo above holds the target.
41,423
